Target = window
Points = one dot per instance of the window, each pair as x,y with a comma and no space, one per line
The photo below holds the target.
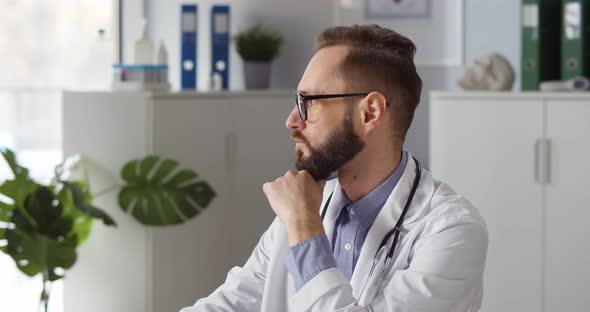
45,47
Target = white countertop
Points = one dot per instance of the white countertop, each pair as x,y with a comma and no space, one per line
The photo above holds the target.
198,94
520,95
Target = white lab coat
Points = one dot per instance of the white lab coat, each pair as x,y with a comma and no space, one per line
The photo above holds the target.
438,265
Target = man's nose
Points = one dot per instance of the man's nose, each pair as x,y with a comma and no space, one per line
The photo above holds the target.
293,121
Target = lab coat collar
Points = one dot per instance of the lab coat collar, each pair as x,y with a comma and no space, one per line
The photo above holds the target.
385,221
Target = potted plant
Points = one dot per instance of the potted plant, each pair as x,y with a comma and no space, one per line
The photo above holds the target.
41,226
258,46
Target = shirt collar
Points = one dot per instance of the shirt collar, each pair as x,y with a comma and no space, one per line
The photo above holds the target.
366,209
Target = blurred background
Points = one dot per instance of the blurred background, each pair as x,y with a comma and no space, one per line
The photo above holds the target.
504,119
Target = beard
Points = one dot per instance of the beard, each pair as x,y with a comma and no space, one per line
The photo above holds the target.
341,146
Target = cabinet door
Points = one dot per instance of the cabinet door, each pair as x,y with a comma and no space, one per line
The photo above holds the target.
263,152
109,129
483,148
192,259
568,207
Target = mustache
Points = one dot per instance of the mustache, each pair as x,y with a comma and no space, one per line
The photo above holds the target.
297,135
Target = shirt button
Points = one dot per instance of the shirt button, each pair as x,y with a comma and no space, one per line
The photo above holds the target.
348,247
352,212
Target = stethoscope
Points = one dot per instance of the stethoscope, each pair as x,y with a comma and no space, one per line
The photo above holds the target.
384,254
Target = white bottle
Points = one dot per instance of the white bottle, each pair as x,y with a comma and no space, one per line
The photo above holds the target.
216,82
143,47
162,58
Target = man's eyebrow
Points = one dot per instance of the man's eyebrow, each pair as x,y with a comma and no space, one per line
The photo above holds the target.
311,91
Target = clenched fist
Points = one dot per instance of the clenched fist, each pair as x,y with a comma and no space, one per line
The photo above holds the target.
296,198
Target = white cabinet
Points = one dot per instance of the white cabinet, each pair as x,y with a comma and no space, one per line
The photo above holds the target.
263,151
567,199
236,141
523,160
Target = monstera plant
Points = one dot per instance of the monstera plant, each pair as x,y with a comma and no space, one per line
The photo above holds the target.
157,193
41,226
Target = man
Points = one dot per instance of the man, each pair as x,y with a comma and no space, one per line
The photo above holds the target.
328,249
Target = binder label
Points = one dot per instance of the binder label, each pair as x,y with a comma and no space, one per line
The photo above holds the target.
572,20
530,15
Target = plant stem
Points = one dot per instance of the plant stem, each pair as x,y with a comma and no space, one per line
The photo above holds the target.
45,291
40,303
42,299
107,190
48,292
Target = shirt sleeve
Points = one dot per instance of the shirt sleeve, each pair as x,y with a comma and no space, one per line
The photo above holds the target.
308,258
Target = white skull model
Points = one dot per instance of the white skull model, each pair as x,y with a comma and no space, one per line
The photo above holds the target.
489,72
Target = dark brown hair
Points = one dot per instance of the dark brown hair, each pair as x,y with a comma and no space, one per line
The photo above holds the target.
379,60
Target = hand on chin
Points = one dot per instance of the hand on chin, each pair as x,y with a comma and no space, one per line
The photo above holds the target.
295,198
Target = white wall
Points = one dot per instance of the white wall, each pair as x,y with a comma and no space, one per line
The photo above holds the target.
132,12
494,26
438,36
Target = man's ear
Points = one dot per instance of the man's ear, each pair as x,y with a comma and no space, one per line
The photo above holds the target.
373,109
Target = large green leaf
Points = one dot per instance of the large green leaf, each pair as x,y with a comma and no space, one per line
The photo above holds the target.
3,241
82,227
47,214
83,202
157,194
20,186
10,158
17,190
82,221
42,225
45,241
5,212
34,253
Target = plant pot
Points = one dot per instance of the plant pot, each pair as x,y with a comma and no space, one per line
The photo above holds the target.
257,75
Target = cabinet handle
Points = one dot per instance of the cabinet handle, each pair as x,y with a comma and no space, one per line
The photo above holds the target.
543,161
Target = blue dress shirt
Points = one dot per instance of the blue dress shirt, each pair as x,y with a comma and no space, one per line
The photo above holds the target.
315,254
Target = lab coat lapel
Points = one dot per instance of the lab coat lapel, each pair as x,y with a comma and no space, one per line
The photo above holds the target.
384,222
332,213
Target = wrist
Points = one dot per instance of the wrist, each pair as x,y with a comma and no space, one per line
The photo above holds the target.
303,229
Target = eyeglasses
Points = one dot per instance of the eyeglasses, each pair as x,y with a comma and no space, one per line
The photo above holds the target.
301,100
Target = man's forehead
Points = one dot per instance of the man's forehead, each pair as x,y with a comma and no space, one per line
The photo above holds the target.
328,60
323,70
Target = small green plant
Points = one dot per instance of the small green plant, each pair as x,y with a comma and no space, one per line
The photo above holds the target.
258,43
41,226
